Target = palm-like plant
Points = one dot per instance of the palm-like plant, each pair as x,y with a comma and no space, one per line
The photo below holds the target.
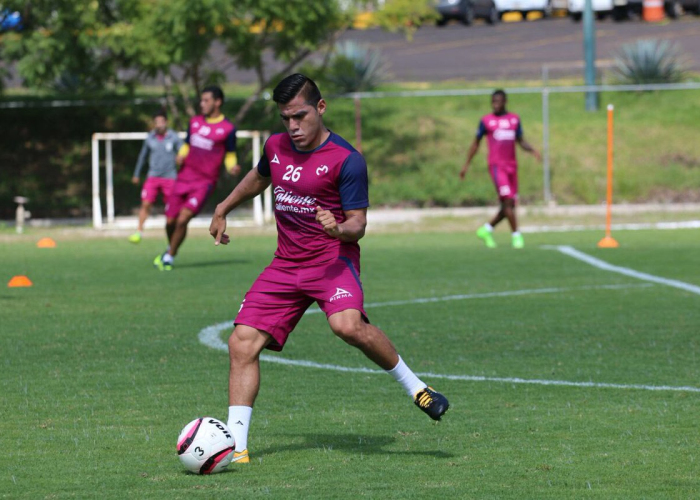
650,61
354,67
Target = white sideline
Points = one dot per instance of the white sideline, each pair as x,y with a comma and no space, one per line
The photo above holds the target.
601,264
209,336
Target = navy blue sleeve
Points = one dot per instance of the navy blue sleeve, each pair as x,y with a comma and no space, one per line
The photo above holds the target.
481,131
264,164
519,131
187,139
231,142
353,184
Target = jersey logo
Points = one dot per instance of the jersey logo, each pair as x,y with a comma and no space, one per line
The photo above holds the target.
340,294
219,131
323,169
193,201
204,130
275,159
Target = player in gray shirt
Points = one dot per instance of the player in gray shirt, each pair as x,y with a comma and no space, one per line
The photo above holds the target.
160,147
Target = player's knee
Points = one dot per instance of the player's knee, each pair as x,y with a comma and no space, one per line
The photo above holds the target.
351,331
245,343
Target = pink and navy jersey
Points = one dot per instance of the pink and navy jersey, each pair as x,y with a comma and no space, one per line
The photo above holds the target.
209,143
332,176
501,132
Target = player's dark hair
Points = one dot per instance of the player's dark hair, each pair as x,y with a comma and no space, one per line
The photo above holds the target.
161,113
499,92
294,85
215,91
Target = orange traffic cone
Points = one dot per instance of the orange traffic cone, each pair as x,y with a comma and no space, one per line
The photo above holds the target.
653,10
46,243
19,281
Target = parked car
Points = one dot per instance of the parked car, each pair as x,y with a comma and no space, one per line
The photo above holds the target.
466,11
524,6
602,8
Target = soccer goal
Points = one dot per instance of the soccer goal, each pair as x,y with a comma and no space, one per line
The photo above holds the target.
262,205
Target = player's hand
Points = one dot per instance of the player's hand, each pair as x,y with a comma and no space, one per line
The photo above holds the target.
217,228
178,160
235,171
327,220
462,174
135,181
537,155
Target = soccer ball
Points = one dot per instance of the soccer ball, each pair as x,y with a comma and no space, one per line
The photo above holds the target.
205,446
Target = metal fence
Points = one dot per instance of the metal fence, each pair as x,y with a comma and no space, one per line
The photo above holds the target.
545,92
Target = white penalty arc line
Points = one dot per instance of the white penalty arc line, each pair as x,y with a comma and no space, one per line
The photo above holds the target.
605,266
210,337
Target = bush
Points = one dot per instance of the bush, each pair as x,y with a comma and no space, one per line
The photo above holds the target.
650,61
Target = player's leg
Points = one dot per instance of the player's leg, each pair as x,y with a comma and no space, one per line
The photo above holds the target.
144,212
149,192
180,230
351,327
244,346
510,204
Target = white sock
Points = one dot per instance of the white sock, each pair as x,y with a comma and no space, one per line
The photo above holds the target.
516,233
238,422
167,258
488,227
408,380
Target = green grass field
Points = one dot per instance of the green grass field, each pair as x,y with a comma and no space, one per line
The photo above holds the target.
102,366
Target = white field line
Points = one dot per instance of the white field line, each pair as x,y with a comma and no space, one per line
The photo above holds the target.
210,337
691,224
601,264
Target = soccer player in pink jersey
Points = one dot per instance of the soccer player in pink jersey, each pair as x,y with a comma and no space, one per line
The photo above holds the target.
321,200
502,130
211,140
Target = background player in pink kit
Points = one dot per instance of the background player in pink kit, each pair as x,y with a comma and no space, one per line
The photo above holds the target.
502,130
211,140
160,147
321,200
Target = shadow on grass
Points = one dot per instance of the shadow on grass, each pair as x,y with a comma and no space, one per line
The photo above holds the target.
354,443
212,263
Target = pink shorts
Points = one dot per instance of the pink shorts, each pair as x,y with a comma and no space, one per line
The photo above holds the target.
155,185
190,196
281,294
506,181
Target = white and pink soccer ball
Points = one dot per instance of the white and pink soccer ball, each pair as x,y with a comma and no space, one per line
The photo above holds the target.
205,446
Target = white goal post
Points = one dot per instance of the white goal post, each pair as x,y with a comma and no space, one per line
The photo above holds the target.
260,214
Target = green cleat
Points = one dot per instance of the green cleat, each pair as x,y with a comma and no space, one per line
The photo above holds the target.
518,241
487,236
160,265
135,238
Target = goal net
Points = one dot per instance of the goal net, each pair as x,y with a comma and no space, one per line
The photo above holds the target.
262,205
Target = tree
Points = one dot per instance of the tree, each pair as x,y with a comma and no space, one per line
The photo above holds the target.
62,45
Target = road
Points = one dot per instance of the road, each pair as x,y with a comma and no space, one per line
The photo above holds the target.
508,50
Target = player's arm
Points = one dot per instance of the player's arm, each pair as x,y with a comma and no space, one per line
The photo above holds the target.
136,178
353,186
520,138
351,230
184,149
250,186
231,159
473,149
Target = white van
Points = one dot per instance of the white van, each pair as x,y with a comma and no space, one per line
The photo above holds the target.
602,8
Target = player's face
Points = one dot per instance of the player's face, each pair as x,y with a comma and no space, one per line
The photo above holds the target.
160,124
303,122
208,104
498,104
